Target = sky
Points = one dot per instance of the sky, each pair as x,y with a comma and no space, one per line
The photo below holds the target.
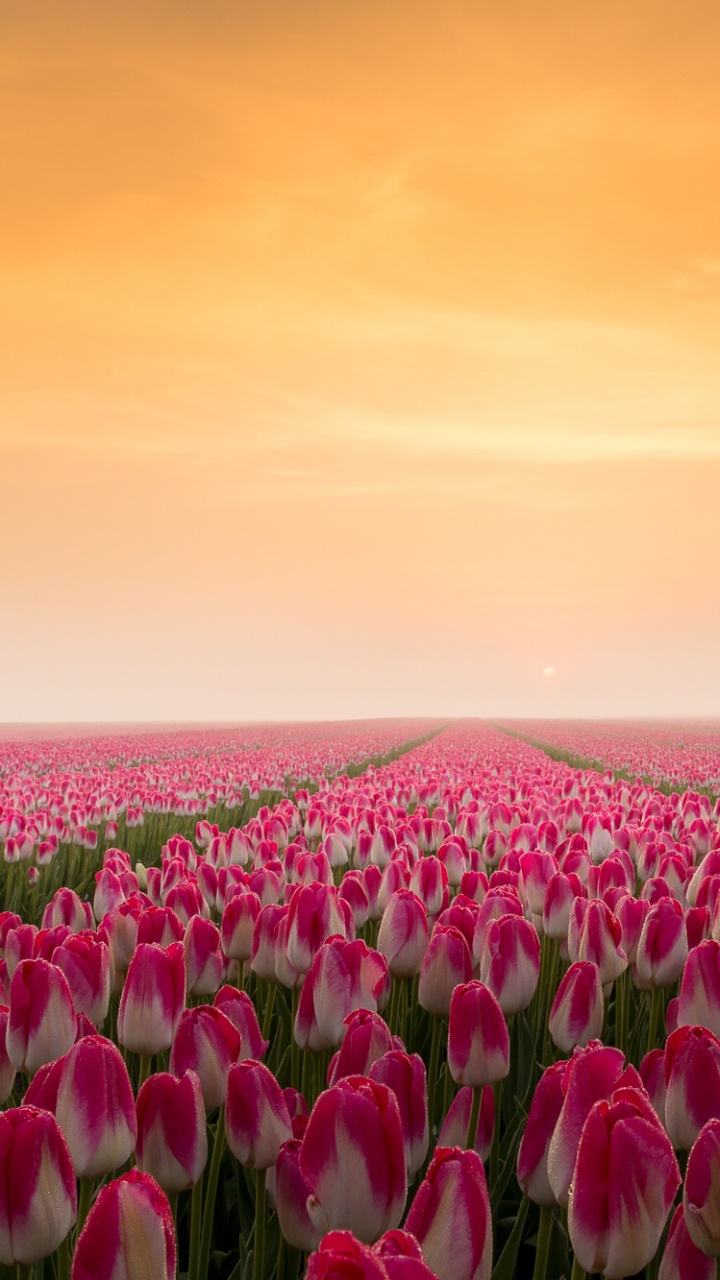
359,359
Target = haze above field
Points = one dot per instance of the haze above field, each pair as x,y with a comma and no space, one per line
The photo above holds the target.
359,360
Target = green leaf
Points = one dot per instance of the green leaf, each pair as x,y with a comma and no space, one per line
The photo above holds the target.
504,1268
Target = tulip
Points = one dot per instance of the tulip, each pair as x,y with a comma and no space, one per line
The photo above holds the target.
95,1107
593,1073
238,924
455,1127
403,935
623,1187
510,962
577,1012
203,958
172,1136
38,1197
85,961
429,880
128,1234
366,1038
701,1193
560,893
402,1256
692,1083
533,1153
257,1121
353,1159
341,1257
239,1008
289,1192
345,976
313,917
159,925
153,998
206,1042
450,1216
662,948
404,1073
478,1039
699,999
7,1068
595,934
681,1259
42,1024
652,1074
446,963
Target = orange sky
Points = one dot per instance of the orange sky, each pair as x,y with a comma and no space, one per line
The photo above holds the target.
359,358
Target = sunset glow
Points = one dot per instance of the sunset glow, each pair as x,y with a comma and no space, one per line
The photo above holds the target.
359,360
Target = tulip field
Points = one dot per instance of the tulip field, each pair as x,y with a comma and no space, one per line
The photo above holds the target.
383,1000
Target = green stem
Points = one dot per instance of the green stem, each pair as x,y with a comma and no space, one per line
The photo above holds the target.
495,1149
84,1202
145,1064
196,1201
63,1259
447,1090
395,1007
267,1020
655,1003
210,1194
294,1046
474,1117
543,1244
437,1024
24,1270
577,1271
259,1251
622,1008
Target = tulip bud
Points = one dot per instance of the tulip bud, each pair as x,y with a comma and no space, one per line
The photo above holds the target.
95,1107
153,998
38,1198
360,1185
172,1135
85,961
699,999
239,1008
366,1039
577,1011
129,1233
455,1126
592,1073
429,880
238,924
532,1161
203,959
681,1259
42,1022
403,935
446,963
289,1192
478,1039
692,1083
662,948
623,1187
404,1073
595,934
701,1193
341,1257
208,1043
7,1068
257,1121
510,962
450,1216
313,917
